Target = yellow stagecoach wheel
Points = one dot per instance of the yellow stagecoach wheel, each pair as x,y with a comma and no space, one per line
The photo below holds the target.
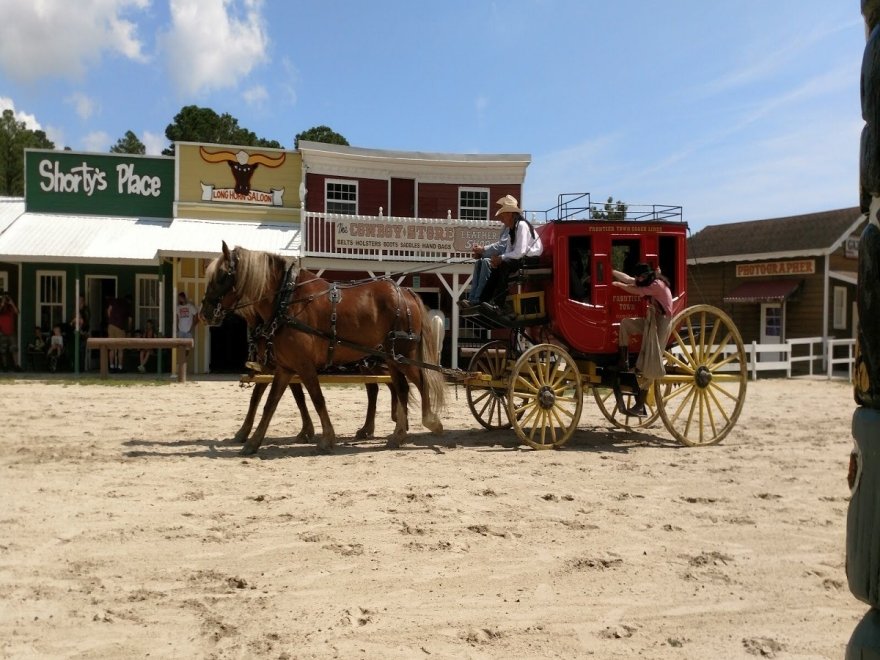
608,405
703,391
488,399
546,397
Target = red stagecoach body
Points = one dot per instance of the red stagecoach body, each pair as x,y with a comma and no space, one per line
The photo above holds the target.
583,309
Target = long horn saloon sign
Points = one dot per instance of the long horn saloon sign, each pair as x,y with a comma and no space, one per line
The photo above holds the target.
243,165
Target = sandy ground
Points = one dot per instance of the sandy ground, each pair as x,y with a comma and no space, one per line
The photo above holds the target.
132,528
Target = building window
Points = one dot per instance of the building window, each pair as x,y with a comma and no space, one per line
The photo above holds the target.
4,281
50,298
840,308
341,197
473,203
147,301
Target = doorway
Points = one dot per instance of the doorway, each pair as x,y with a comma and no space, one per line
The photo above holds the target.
772,329
100,290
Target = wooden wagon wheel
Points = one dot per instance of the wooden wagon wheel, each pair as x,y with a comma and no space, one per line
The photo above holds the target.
608,405
545,397
488,400
704,389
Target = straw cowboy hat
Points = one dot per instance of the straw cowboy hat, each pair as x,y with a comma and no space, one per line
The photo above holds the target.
508,204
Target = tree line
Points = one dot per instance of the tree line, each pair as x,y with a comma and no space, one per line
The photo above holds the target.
191,124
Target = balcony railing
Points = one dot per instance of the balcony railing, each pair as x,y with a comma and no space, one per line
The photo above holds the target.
391,238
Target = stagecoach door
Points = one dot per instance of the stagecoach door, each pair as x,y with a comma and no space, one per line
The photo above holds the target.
772,327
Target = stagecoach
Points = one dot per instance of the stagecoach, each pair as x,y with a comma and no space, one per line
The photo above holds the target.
556,340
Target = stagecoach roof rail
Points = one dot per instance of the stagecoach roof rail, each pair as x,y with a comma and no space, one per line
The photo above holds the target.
579,207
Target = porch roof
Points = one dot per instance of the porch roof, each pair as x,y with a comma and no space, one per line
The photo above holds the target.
763,291
48,237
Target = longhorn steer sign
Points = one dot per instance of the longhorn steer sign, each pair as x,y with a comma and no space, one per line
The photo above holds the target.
243,166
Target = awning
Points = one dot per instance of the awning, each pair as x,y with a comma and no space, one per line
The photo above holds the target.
47,237
53,238
763,291
188,237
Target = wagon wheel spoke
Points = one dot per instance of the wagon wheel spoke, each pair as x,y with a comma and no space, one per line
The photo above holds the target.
548,378
488,400
704,390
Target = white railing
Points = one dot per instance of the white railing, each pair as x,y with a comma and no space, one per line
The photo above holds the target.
779,357
834,357
392,238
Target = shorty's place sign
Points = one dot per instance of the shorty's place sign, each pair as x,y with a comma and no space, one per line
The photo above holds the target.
767,268
392,236
99,184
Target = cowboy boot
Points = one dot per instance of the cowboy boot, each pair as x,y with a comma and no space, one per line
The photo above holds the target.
621,404
638,408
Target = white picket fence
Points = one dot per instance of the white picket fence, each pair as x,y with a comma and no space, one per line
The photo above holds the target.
828,356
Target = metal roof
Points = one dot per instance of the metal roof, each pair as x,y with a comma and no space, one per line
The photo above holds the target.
203,238
10,209
41,237
46,237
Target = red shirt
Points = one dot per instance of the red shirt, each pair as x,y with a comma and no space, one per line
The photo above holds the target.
7,322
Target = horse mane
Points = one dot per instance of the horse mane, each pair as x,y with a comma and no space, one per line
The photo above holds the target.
257,276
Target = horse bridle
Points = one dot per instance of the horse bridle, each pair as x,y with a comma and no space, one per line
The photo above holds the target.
225,285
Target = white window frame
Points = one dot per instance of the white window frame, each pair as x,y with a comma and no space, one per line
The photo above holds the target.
39,301
139,320
343,182
840,308
473,211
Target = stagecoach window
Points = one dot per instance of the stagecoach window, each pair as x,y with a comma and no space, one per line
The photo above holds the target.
341,197
473,203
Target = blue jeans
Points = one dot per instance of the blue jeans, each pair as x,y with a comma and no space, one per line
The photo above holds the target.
482,270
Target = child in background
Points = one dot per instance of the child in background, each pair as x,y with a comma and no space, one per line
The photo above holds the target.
56,347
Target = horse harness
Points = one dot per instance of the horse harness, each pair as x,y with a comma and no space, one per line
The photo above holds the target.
284,300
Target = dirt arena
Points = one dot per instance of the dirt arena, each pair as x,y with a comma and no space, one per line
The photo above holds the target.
132,528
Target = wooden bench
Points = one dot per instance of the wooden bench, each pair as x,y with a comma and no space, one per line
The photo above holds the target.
106,344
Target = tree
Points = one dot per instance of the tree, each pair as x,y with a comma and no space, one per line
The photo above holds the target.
323,134
612,211
128,144
15,137
195,124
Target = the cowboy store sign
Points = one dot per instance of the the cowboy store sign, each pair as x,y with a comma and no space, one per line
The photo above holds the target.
99,184
394,236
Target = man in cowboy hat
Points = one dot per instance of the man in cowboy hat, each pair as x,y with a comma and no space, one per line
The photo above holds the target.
495,262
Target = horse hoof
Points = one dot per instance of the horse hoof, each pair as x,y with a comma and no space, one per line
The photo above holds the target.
363,434
392,443
247,451
239,439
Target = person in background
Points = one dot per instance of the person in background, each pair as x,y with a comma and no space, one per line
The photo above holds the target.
56,348
8,338
118,327
149,333
186,318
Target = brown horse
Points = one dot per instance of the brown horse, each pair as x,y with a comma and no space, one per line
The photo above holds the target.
319,324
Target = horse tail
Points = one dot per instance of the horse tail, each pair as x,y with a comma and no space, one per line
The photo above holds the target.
430,346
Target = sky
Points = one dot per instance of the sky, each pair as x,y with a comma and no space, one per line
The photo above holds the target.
734,111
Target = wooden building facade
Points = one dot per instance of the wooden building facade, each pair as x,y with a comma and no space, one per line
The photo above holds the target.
782,278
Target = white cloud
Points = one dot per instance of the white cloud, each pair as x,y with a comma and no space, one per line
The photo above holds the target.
30,121
214,44
96,141
83,105
256,95
154,142
63,38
